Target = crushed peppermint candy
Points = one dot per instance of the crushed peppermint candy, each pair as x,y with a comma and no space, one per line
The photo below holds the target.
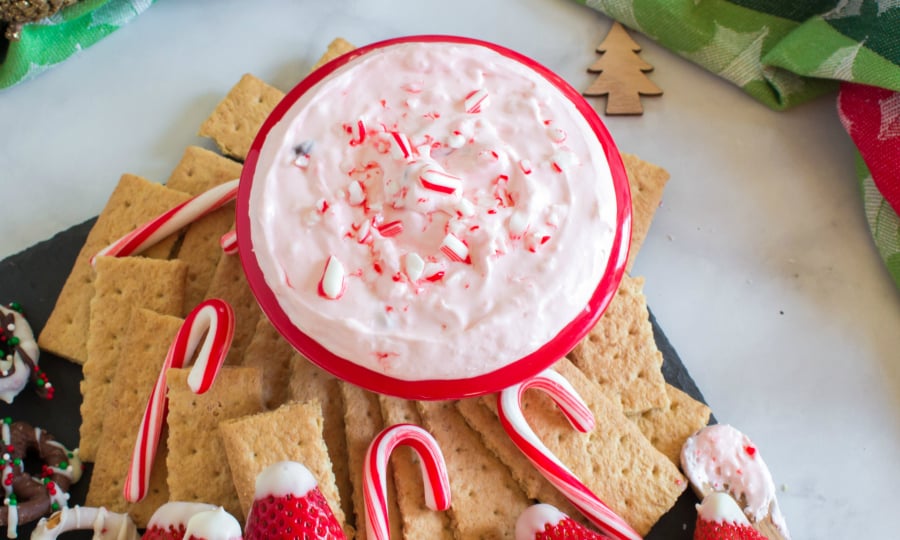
332,283
414,266
455,249
476,100
400,147
564,160
440,181
356,193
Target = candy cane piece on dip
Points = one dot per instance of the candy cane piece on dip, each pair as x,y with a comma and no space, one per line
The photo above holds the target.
434,474
213,322
577,413
170,221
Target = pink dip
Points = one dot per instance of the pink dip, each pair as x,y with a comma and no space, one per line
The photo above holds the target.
432,211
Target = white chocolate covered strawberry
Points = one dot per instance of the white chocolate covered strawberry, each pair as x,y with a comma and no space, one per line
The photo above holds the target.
545,522
720,518
192,521
288,504
719,458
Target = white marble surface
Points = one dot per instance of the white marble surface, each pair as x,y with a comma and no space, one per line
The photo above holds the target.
759,266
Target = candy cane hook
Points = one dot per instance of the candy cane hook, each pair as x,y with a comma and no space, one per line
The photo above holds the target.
576,411
434,474
212,321
170,221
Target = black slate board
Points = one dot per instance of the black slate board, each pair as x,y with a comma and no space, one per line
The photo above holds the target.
34,279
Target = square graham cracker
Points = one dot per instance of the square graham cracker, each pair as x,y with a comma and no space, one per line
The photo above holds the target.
647,182
418,520
486,500
236,119
195,473
337,47
269,352
199,171
363,422
308,382
142,357
133,202
668,428
292,432
620,353
494,437
229,284
615,460
120,284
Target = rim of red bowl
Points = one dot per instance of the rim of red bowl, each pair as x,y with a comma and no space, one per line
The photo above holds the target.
434,389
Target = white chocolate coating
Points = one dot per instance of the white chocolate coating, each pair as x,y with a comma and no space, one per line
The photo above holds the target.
284,478
498,182
11,385
214,524
721,458
106,525
535,518
720,508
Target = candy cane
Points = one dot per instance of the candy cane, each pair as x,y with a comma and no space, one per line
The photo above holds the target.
578,414
228,243
170,221
212,321
434,474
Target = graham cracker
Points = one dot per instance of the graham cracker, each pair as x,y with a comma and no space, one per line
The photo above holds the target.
293,432
620,353
486,501
142,356
494,437
647,182
120,284
237,118
269,352
337,47
229,284
134,202
615,460
668,428
418,520
363,422
196,471
199,171
310,383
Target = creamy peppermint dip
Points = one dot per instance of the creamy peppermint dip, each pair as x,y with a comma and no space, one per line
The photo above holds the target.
432,211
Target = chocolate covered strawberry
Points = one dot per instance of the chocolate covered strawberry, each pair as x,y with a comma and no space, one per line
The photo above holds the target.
288,504
545,522
192,521
720,518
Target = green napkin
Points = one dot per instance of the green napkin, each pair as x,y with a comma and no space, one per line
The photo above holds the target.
783,53
54,39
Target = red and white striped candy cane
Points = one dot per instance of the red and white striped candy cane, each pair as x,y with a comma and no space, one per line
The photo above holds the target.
228,243
213,319
581,418
171,221
434,474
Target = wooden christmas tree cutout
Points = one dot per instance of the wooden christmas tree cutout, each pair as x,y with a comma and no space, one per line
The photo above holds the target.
621,70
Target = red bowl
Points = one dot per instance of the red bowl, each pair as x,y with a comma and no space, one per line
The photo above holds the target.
494,381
